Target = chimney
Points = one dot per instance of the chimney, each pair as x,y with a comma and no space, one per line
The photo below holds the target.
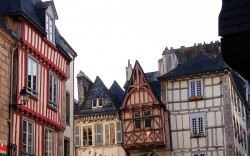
129,70
83,86
168,62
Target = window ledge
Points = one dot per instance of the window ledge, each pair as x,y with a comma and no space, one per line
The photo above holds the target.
197,136
137,129
147,128
195,98
52,108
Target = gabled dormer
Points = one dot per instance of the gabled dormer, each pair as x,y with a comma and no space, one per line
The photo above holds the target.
100,100
47,12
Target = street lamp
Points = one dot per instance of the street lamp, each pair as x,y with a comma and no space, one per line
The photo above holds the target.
24,99
11,148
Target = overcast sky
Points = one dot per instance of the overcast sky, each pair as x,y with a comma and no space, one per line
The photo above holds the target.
106,33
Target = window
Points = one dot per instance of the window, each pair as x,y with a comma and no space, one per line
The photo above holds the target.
52,90
195,88
87,135
67,108
48,145
27,137
109,133
199,154
32,76
197,124
50,28
100,102
137,120
97,102
94,103
147,119
66,147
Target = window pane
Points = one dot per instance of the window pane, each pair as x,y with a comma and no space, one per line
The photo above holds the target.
192,85
94,103
100,102
138,123
194,125
200,123
148,122
198,88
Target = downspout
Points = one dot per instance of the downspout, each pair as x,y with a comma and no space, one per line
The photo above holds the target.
12,50
74,150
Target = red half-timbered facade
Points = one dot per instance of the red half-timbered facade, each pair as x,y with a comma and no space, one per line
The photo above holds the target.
143,115
40,64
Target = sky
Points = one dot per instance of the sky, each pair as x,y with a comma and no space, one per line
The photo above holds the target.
107,33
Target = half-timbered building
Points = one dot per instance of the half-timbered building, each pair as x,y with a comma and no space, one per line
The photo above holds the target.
98,129
144,116
208,110
40,65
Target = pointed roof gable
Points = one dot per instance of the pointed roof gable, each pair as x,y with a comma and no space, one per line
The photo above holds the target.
99,90
117,91
45,5
196,65
148,79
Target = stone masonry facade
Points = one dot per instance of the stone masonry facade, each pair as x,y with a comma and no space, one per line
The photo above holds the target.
6,42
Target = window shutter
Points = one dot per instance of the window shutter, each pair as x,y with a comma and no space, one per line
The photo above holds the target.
77,135
106,134
119,132
98,134
112,133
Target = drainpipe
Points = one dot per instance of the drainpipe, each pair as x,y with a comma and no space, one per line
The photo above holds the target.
12,50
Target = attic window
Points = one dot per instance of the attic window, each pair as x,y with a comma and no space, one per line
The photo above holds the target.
50,28
97,102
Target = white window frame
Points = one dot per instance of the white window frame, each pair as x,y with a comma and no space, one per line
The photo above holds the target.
54,95
88,135
32,69
195,129
28,133
97,102
50,27
49,141
194,88
199,154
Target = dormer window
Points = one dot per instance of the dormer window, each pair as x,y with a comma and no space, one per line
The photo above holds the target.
50,28
97,102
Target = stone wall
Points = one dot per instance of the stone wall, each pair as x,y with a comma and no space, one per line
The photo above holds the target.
6,42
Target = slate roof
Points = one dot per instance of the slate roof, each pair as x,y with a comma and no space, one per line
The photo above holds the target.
76,106
99,90
33,10
197,65
240,85
117,92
